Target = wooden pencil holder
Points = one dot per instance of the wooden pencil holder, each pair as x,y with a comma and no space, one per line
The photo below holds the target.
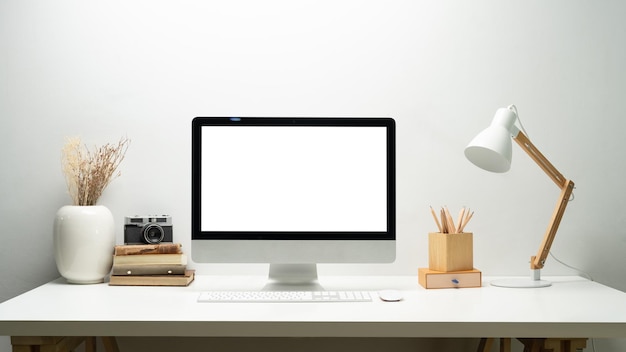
450,251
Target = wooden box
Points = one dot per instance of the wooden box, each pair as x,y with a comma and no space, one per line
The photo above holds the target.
450,251
450,279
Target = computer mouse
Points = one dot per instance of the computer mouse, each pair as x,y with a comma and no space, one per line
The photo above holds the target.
390,295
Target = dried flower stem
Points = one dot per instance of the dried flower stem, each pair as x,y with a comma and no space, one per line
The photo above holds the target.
88,173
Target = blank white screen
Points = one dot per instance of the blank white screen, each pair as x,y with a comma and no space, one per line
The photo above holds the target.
293,178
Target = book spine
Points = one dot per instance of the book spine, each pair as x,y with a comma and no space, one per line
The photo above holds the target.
138,249
157,259
170,280
141,270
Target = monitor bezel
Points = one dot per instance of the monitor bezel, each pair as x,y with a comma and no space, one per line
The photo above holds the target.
199,122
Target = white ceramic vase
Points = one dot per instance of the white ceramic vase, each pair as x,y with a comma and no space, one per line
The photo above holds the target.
84,238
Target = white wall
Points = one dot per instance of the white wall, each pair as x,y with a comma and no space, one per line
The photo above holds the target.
144,69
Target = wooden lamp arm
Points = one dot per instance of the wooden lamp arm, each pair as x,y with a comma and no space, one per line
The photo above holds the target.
566,186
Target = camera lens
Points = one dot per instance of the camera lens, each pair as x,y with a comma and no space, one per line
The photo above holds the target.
153,233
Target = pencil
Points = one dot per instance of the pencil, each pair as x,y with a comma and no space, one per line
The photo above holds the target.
467,218
451,226
460,220
436,219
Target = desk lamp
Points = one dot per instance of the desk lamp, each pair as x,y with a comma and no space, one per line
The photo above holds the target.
491,150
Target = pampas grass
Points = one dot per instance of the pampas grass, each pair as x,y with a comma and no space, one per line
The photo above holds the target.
89,172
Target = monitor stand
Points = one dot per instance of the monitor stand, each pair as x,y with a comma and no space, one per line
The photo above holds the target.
293,277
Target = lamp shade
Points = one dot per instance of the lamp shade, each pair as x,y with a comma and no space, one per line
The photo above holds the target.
491,149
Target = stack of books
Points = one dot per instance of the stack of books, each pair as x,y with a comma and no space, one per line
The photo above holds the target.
162,264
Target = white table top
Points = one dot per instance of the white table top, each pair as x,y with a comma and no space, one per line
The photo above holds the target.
571,307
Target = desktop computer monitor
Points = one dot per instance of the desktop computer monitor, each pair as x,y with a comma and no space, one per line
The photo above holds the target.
293,192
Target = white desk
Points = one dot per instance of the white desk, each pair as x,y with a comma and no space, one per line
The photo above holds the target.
572,307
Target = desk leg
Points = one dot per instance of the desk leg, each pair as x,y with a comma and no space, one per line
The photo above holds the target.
90,344
45,343
110,344
565,345
60,344
554,345
505,344
485,344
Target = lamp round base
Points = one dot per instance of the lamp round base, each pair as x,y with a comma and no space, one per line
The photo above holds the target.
520,283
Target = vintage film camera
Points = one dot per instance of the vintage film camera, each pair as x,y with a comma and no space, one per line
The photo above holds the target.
150,229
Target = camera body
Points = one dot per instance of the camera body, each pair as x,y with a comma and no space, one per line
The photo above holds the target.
149,229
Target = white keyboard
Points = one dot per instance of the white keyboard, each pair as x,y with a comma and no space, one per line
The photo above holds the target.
285,296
